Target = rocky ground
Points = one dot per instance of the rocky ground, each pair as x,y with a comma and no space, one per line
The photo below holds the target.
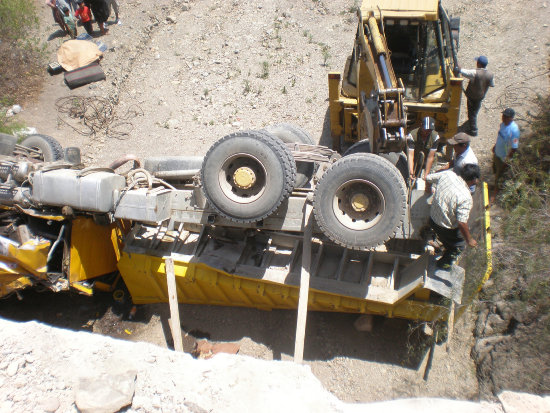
181,74
63,371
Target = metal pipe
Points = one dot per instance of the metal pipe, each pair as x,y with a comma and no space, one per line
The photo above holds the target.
385,72
56,243
391,90
376,37
440,50
126,158
177,174
380,49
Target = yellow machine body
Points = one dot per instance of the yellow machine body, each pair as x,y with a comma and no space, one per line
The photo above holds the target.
215,274
20,264
197,283
94,250
420,52
202,277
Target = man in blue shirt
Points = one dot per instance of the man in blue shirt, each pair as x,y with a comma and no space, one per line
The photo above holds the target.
507,144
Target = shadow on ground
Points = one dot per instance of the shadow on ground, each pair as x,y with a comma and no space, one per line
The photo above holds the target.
328,335
65,309
58,34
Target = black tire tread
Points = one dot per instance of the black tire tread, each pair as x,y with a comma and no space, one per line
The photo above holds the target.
399,160
358,147
54,145
290,163
305,136
305,170
388,169
281,150
7,144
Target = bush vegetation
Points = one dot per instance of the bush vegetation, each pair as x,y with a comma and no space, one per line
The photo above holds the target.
521,262
526,221
20,55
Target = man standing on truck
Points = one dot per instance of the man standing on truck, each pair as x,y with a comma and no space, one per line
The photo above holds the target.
451,206
422,145
480,81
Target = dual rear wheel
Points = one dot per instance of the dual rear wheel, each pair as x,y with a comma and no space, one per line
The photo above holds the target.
247,175
358,203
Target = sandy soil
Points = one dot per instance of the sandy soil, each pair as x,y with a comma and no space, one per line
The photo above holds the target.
200,70
94,373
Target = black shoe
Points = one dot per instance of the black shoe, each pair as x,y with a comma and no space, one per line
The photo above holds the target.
472,133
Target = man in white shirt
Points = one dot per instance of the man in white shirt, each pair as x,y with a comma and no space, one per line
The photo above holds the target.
463,153
451,206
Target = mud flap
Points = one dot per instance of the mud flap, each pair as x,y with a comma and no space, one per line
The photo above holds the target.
447,283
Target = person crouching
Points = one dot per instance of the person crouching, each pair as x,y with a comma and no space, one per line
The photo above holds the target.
69,20
451,206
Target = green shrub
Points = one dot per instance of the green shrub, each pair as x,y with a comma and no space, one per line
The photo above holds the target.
524,256
20,57
18,18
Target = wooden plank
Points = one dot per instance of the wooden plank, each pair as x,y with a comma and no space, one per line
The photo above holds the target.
318,257
394,273
450,326
304,286
174,308
342,265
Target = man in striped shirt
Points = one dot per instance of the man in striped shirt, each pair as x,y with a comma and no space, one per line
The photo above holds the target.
451,206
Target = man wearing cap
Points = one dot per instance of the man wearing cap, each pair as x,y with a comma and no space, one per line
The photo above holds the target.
463,153
451,206
422,144
480,81
506,145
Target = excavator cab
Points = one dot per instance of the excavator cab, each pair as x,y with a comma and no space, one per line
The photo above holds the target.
419,44
416,57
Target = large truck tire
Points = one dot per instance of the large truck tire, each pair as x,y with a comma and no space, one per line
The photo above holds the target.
7,144
293,134
358,147
360,202
246,175
50,148
398,159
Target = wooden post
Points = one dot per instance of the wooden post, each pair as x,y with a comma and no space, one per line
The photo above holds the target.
450,326
304,286
173,300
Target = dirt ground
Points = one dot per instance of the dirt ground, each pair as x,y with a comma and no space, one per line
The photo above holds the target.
183,74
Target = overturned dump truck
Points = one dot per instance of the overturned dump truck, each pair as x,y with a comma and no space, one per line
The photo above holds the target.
233,223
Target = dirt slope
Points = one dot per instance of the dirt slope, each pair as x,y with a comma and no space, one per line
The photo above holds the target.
200,70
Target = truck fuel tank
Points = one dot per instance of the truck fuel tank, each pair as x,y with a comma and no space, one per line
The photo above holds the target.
96,191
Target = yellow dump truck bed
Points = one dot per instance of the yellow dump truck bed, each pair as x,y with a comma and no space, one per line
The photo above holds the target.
220,266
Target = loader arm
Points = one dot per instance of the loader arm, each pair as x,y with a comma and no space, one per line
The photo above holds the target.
380,115
402,68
